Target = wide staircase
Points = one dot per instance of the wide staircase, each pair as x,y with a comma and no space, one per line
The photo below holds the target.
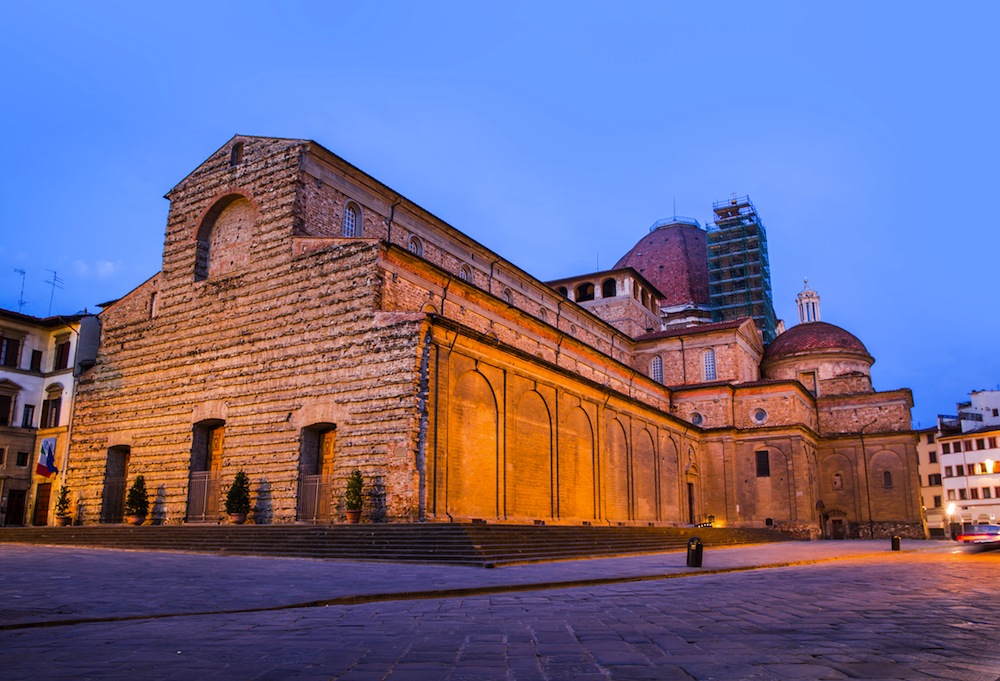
455,544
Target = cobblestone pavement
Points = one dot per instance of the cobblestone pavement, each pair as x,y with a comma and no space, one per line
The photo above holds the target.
844,610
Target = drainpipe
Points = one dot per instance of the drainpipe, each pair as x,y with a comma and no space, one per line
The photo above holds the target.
392,213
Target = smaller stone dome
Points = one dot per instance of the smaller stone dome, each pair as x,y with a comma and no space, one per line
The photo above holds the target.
814,337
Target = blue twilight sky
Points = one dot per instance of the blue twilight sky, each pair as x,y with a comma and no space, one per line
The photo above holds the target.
554,133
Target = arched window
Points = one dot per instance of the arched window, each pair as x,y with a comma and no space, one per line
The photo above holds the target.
352,222
710,374
416,247
236,154
887,479
508,296
609,289
584,292
465,273
543,314
563,291
656,369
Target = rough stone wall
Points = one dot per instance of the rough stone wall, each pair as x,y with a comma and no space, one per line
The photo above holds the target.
886,411
269,350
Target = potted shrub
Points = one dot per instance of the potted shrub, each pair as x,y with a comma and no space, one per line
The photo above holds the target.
353,498
63,517
238,499
137,502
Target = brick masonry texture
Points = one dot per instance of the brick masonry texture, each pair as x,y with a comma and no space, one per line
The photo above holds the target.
460,386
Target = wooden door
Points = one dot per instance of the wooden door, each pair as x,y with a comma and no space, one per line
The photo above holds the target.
43,495
324,466
215,441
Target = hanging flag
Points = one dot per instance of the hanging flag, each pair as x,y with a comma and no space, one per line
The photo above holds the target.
47,458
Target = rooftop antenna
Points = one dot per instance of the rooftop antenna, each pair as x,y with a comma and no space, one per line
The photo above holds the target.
675,206
20,301
56,283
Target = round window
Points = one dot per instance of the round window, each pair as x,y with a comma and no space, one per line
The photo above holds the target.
697,419
759,415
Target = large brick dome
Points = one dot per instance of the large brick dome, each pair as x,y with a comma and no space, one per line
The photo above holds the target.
814,337
673,257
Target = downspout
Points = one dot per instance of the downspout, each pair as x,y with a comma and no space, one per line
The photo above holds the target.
684,366
392,213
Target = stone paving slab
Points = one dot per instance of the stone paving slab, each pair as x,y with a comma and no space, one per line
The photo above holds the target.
69,583
921,614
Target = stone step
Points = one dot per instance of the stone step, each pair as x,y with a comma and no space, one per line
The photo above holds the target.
459,544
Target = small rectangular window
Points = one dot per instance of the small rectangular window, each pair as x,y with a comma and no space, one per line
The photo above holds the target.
930,438
960,469
22,460
980,443
996,492
986,492
3,456
763,464
992,441
28,416
949,472
6,404
36,360
933,479
9,351
932,457
963,494
974,493
951,495
937,501
61,356
946,448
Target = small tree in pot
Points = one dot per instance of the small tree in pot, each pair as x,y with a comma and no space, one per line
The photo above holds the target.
238,498
63,517
137,502
353,498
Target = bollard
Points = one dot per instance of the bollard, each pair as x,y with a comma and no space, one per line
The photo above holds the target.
895,542
695,548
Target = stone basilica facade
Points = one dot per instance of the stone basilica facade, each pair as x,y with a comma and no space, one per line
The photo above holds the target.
309,320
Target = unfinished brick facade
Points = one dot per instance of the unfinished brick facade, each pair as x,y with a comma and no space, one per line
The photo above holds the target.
309,320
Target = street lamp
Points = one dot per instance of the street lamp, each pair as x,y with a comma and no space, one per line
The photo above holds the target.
868,488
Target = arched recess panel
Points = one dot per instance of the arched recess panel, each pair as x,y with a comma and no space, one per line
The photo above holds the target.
888,493
644,467
225,237
774,492
669,507
616,495
837,483
472,448
576,466
529,460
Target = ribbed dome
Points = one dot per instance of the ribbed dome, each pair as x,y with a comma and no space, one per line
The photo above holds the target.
813,336
673,257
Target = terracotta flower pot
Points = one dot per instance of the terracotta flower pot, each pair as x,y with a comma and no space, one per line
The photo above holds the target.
353,517
64,520
237,518
135,519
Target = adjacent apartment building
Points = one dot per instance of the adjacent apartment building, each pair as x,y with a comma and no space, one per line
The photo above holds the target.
970,459
40,360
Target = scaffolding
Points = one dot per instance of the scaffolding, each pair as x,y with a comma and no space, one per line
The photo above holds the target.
739,273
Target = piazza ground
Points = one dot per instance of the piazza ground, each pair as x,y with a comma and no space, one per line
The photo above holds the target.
795,610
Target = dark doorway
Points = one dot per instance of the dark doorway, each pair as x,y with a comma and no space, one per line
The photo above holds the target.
113,498
690,488
43,495
16,503
838,529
